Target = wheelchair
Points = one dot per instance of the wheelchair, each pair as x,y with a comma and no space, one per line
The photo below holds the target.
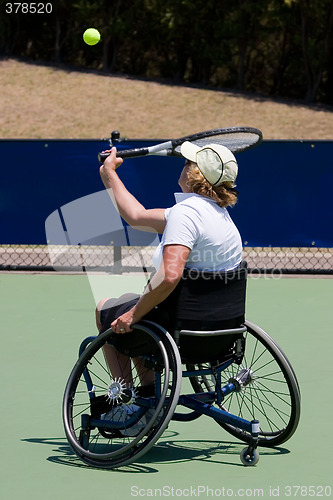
239,377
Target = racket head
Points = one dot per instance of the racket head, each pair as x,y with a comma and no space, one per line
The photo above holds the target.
237,139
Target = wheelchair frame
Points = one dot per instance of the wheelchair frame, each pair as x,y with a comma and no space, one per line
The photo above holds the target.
126,425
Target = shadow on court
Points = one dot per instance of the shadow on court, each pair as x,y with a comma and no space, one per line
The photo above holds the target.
164,452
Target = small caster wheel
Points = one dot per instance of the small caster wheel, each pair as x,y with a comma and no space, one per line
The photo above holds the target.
249,457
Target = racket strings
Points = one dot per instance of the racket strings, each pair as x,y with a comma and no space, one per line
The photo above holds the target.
236,142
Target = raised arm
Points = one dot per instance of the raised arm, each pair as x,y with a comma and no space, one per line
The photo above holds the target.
130,209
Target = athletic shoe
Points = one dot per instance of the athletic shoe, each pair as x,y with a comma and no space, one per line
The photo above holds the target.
123,413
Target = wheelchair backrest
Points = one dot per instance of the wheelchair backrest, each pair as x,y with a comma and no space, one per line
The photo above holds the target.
208,309
206,300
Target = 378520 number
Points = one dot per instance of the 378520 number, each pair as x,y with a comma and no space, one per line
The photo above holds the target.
308,491
28,8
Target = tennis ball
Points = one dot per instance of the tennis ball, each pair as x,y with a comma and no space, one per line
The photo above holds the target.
91,36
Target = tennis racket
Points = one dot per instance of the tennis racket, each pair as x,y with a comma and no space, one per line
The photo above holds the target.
236,139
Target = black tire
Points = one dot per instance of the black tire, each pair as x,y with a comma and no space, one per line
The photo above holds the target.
104,439
272,395
249,458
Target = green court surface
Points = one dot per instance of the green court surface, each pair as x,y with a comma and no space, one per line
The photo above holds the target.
43,320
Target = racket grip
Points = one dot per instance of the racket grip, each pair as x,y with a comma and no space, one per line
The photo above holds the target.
102,157
125,153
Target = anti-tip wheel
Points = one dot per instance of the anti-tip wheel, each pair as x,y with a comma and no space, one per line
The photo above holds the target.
248,457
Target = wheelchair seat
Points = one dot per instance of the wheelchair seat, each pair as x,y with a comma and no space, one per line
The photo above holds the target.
207,311
199,346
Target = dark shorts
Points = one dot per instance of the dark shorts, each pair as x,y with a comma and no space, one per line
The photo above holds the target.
113,308
191,348
208,301
200,301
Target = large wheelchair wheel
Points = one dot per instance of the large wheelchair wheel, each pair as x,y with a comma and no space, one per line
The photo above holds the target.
268,389
109,422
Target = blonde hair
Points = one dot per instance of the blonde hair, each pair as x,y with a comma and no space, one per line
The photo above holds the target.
225,195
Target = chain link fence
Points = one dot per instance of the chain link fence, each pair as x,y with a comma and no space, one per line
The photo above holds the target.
128,259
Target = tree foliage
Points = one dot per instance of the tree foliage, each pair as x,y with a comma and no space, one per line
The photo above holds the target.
274,47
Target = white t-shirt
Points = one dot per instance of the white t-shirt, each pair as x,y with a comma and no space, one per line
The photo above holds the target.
198,223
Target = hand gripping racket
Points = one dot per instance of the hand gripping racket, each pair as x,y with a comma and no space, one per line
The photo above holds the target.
236,139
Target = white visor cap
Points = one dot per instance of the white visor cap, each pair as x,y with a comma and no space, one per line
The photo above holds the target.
216,163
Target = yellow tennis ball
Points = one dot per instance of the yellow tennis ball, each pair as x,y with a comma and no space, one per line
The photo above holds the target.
91,36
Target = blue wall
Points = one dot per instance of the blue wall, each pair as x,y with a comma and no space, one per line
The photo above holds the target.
285,187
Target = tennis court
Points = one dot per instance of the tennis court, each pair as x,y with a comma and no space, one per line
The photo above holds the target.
44,317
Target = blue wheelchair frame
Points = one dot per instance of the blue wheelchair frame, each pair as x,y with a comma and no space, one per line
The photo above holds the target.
199,403
250,377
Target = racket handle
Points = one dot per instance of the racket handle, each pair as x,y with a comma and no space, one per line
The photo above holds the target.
102,157
125,153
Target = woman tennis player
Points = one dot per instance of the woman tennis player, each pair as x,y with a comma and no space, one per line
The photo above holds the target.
198,237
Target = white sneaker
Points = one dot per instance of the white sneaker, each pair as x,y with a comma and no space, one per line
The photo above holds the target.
116,414
137,427
122,413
